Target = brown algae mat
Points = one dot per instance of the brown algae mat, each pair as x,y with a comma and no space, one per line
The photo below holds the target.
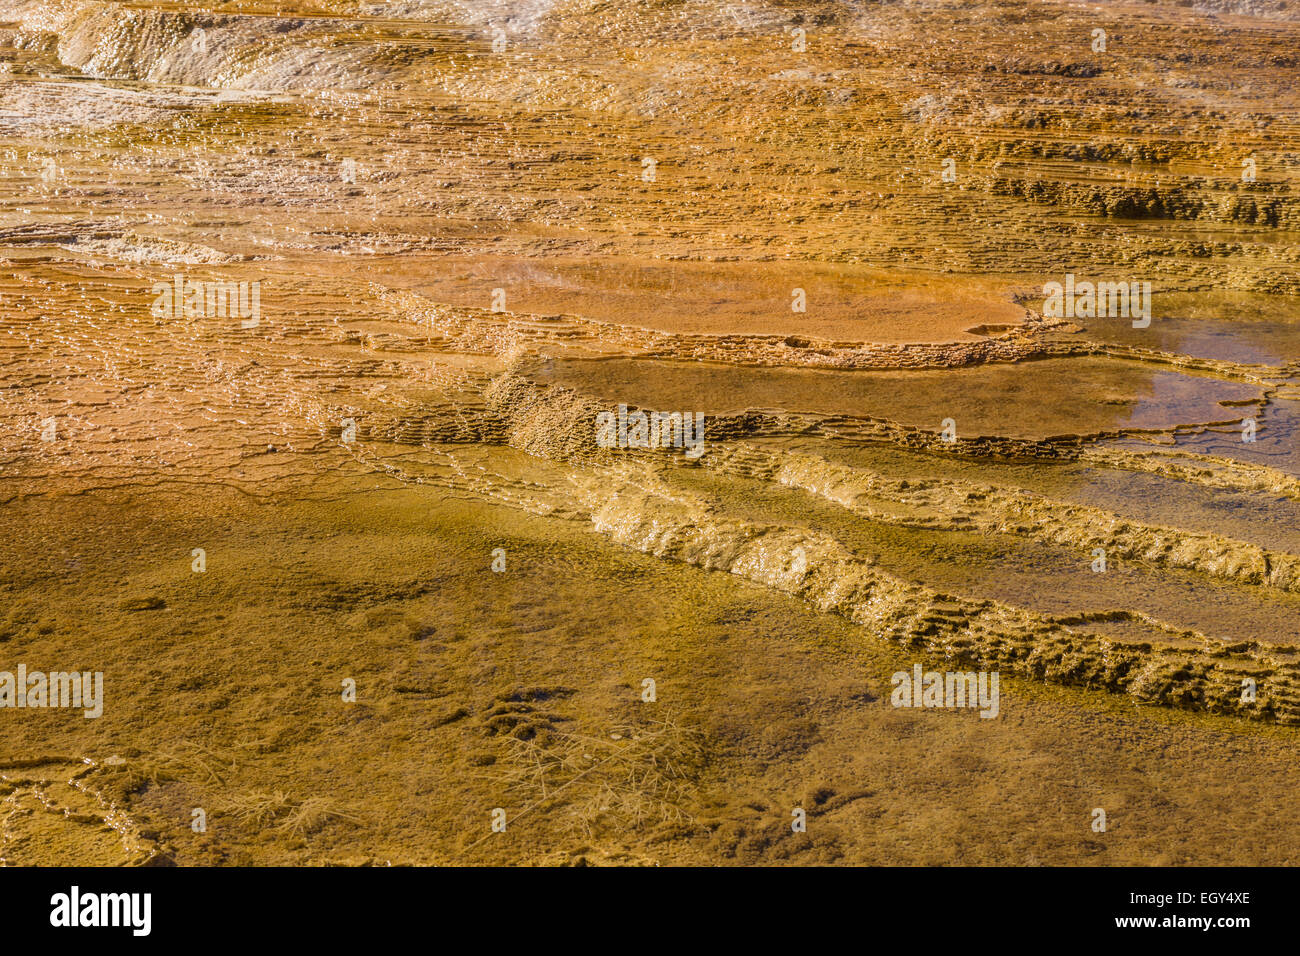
478,689
330,333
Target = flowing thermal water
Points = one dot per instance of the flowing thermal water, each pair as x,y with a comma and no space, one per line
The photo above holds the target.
310,313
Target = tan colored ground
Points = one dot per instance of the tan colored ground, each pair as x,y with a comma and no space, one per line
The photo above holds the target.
351,465
231,692
846,303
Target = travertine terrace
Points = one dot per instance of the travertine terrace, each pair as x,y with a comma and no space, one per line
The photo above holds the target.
308,314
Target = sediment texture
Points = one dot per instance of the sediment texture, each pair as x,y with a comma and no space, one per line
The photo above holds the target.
475,228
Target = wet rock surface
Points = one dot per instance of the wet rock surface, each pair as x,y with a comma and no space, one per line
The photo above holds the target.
308,316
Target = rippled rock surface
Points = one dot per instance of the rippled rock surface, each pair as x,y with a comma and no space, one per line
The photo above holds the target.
349,357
